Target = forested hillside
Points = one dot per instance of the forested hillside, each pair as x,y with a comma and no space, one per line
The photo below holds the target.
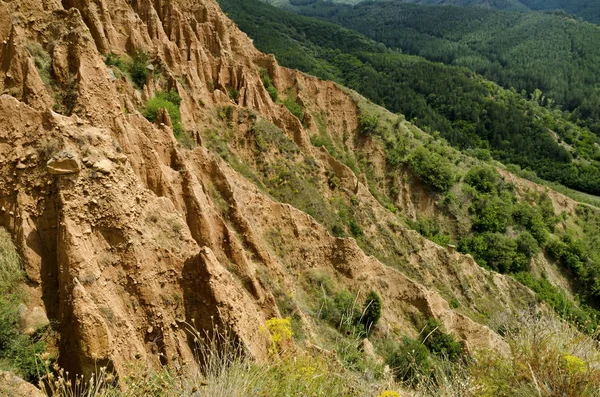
527,51
470,112
588,10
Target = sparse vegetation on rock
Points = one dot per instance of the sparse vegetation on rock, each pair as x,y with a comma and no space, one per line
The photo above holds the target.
170,101
18,352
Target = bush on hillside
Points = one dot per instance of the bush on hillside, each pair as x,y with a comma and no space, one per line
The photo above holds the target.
294,107
138,68
433,169
439,342
485,180
169,100
372,311
497,251
491,213
368,123
410,361
268,84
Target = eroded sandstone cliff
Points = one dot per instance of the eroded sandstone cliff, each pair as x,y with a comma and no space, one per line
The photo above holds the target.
128,238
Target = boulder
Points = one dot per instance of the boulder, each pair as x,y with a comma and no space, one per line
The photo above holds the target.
63,163
13,386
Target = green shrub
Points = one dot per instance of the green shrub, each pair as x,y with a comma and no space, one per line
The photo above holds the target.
355,229
19,351
491,213
585,318
527,245
430,228
170,101
268,84
113,59
485,180
480,154
273,93
225,113
368,123
547,210
532,220
8,323
433,169
372,311
11,277
138,68
410,361
24,356
568,253
495,251
268,136
295,108
42,60
234,94
440,343
340,310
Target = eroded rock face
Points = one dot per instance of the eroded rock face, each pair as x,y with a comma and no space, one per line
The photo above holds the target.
63,163
32,319
13,386
121,235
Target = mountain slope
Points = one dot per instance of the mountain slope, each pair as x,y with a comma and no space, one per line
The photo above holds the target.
435,97
160,173
588,10
531,51
127,236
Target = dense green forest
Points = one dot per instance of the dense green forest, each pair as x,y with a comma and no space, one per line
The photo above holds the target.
588,10
468,111
528,51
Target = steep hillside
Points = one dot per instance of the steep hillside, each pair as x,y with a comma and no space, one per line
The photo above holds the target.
551,52
160,173
468,111
588,10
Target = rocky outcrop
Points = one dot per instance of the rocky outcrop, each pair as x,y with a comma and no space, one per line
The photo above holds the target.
13,386
128,239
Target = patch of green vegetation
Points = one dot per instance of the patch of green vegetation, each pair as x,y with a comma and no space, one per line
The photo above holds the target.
433,169
371,312
171,101
234,94
65,92
431,229
584,317
18,352
417,361
340,308
368,123
138,68
269,137
294,107
115,60
42,60
465,109
225,113
268,84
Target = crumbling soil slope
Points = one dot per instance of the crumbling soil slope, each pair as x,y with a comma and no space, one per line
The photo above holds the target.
128,238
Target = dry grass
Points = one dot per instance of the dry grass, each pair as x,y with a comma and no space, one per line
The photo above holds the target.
548,358
225,372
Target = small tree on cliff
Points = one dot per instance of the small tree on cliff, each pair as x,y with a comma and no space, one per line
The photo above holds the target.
371,312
